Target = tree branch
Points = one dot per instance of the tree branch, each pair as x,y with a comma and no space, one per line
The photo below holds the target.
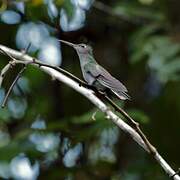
118,14
109,10
135,125
11,87
89,94
3,72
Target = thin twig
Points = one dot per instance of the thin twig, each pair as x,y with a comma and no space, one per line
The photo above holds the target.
133,123
81,83
28,47
40,63
3,72
6,53
11,87
7,67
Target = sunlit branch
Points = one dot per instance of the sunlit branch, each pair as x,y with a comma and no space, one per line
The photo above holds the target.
134,124
66,78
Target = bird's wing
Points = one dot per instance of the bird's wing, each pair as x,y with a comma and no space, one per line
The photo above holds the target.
107,80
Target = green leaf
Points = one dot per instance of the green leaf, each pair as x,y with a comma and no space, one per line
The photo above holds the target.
4,114
137,10
69,8
89,117
139,116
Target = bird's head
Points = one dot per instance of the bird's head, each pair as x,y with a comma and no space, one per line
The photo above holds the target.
83,48
80,48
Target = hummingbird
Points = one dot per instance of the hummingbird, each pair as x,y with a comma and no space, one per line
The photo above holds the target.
95,75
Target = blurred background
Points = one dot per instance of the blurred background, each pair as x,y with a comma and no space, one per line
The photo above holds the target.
47,130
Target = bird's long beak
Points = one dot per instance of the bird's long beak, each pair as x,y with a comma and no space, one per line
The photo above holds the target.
68,43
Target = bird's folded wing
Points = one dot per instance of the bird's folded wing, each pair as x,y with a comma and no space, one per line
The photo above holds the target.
116,86
107,80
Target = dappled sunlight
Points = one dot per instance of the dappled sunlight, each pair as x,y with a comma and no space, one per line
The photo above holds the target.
75,23
20,6
84,4
31,33
79,15
52,9
72,155
103,148
50,51
39,123
23,84
44,142
22,169
37,35
17,107
10,17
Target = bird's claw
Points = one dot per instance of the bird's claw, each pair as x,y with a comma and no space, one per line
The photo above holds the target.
94,116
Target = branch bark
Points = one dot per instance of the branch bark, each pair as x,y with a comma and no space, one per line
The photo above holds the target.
89,94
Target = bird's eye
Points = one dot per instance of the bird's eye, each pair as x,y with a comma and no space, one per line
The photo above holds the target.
83,45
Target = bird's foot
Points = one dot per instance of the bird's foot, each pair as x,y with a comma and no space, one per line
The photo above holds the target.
94,116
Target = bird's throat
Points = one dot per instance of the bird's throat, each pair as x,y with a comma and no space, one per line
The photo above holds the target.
86,58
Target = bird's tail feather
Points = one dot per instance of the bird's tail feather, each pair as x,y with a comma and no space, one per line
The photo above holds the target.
122,95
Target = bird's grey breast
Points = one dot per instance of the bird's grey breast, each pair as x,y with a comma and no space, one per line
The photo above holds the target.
91,73
88,75
88,78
